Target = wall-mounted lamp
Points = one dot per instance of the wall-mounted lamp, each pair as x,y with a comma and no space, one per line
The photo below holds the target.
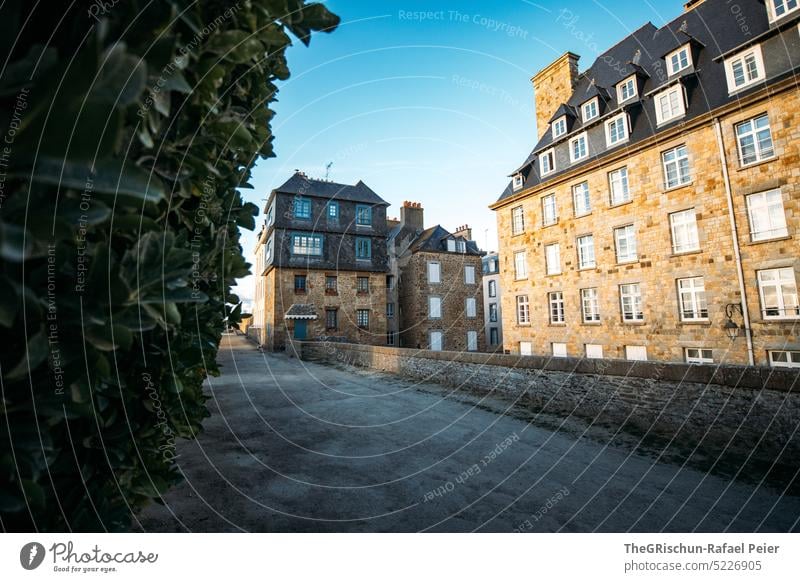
731,327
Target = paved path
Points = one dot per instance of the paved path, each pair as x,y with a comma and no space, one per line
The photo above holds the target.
293,446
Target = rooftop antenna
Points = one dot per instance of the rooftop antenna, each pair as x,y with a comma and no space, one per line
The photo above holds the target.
328,170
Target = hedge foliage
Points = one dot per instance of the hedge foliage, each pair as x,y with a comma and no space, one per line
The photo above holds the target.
127,127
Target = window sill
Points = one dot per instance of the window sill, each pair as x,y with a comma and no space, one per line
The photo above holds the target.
362,294
523,324
743,167
677,187
585,214
331,293
618,204
767,320
635,323
554,274
697,322
628,262
551,324
751,84
299,292
548,225
521,279
595,323
769,240
363,260
686,253
588,268
517,234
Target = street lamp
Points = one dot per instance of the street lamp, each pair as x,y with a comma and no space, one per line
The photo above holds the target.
731,327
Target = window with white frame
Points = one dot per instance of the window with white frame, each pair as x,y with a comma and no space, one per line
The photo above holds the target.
451,245
627,89
523,310
472,341
549,210
552,256
670,104
547,162
472,309
525,349
517,220
461,245
434,307
692,298
767,217
559,349
625,243
493,316
436,341
784,359
617,130
590,305
556,300
679,60
683,225
636,353
676,167
578,148
618,185
492,288
520,265
559,127
754,140
434,272
744,69
586,258
594,351
517,181
778,291
581,199
698,356
780,8
590,110
469,274
630,297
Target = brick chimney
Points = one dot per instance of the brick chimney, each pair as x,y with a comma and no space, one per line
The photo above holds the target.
464,231
553,86
412,215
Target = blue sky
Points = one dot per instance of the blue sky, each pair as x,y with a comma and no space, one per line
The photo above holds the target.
431,101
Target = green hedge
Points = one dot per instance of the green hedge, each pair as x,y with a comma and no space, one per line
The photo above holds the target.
127,127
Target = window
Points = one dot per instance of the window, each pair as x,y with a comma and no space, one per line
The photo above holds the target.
676,167
618,185
472,341
523,310
362,285
461,246
767,218
271,214
616,130
692,297
581,200
586,258
434,273
331,285
436,341
333,210
578,148
590,305
390,339
494,336
302,208
552,258
299,283
390,282
684,231
636,353
518,181
670,104
778,291
307,244
625,241
520,266
469,275
559,127
363,215
451,245
525,348
627,89
784,359
698,356
493,312
547,162
594,351
492,288
744,69
363,248
549,210
556,300
679,60
331,319
590,110
362,318
472,307
268,251
389,310
559,350
434,307
780,8
754,140
630,297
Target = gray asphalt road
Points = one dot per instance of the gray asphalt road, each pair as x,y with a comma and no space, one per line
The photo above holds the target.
293,446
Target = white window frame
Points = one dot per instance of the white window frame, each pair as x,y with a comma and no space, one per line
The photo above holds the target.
629,81
520,265
586,254
553,218
472,341
581,192
636,353
517,182
556,308
471,308
469,274
685,236
633,293
517,220
491,288
626,234
552,259
434,307
559,127
593,351
451,245
434,273
438,345
626,133
558,349
523,310
692,301
623,182
792,357
785,285
762,208
670,58
550,157
582,140
730,63
525,348
589,116
682,179
772,9
698,355
676,101
760,152
590,305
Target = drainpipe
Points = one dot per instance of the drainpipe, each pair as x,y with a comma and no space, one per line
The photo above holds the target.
735,235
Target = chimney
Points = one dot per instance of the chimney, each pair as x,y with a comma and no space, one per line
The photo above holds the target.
692,4
412,215
553,86
464,231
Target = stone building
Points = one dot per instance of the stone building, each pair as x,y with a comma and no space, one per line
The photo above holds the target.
656,216
492,295
435,285
321,264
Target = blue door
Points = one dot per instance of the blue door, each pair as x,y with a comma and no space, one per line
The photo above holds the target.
300,329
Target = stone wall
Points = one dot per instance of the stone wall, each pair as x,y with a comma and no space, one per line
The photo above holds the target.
727,406
553,86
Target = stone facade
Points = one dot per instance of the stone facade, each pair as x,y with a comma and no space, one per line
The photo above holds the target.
551,84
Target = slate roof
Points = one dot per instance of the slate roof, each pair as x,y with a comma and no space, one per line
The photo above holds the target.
712,28
300,184
434,239
301,311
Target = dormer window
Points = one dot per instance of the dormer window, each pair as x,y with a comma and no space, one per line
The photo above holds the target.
617,130
670,104
679,60
451,245
578,148
627,89
779,8
547,162
559,127
590,109
517,181
745,69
